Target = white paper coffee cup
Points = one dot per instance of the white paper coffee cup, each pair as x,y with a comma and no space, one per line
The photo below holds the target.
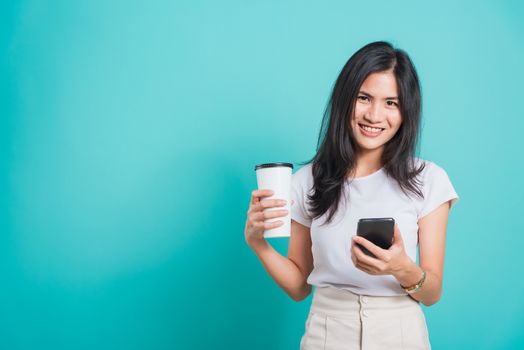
276,177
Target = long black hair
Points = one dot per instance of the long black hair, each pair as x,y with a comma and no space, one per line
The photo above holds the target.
336,147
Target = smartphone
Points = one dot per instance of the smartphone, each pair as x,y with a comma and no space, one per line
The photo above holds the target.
377,230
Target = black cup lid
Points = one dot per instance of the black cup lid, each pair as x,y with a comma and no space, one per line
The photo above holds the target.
272,165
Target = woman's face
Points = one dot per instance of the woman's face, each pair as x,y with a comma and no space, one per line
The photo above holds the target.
377,106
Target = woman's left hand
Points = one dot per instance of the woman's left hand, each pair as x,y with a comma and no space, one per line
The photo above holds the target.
386,262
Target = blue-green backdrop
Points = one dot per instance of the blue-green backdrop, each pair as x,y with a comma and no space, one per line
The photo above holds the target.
129,131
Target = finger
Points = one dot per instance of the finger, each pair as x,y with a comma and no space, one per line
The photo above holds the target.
360,259
354,255
271,203
265,204
376,250
353,258
268,225
268,214
257,194
366,269
397,236
359,255
374,265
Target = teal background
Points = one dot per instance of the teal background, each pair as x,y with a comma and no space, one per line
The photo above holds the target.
129,132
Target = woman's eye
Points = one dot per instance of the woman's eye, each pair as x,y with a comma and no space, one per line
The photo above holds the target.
363,98
392,103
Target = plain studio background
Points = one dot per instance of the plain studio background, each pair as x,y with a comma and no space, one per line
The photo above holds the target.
129,132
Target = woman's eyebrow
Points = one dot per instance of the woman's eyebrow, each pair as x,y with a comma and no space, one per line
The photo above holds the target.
369,95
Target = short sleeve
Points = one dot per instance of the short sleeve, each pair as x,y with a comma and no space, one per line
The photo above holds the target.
438,189
301,182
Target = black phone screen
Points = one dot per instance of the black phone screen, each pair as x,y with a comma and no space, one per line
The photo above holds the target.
377,230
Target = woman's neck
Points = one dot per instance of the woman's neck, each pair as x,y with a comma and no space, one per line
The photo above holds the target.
367,163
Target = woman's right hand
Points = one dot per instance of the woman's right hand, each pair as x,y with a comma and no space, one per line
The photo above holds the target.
255,225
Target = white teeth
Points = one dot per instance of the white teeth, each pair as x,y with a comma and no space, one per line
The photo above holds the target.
367,128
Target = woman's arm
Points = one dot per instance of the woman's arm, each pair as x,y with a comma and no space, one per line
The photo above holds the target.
432,241
395,261
289,273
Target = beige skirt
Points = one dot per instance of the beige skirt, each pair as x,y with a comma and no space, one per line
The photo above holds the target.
340,319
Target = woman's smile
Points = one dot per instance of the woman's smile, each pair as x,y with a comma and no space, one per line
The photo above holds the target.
369,131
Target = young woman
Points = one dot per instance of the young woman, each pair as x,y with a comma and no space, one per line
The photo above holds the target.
364,168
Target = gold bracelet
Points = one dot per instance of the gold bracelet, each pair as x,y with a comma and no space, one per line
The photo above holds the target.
416,287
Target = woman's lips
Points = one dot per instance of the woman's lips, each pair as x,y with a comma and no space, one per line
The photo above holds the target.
369,133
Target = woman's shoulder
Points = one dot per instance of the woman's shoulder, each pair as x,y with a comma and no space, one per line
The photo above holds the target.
419,161
431,170
304,171
429,166
437,188
304,175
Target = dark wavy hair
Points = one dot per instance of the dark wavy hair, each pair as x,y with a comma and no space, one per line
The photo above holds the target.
336,148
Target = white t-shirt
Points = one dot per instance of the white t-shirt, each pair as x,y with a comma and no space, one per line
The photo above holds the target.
375,195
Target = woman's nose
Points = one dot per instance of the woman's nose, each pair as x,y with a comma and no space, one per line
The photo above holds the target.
373,113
